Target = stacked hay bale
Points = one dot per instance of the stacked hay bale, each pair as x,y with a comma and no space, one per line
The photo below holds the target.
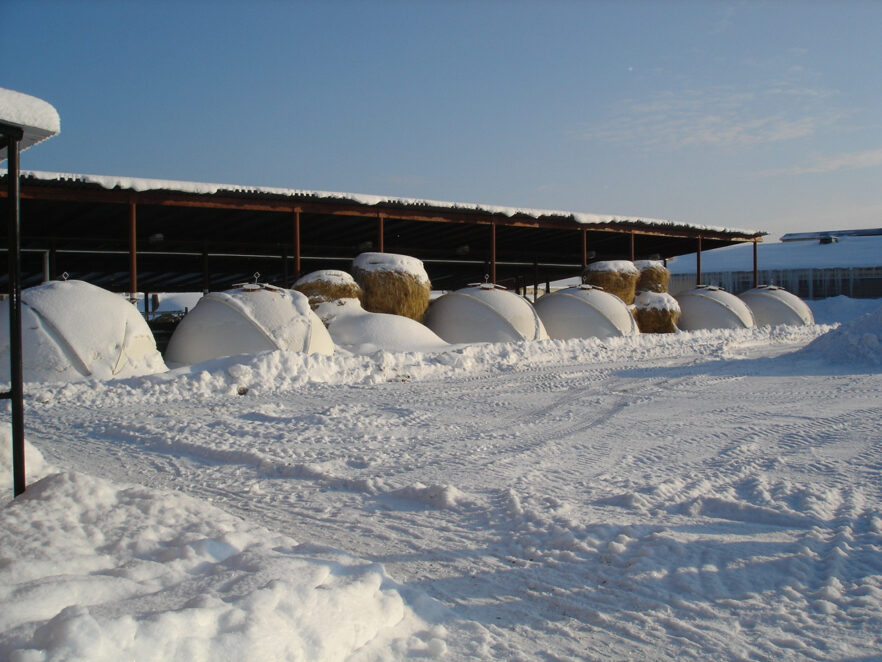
326,286
653,276
391,283
655,310
617,277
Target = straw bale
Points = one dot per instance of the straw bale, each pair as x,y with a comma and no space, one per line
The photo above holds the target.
393,292
655,320
324,286
653,276
622,283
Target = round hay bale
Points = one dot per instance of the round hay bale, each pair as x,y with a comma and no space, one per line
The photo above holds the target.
394,284
327,285
617,277
656,312
653,276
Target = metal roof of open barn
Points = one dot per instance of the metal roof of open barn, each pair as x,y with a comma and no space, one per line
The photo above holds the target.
199,236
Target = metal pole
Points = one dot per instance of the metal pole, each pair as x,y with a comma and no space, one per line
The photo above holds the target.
206,284
633,254
584,248
755,266
16,373
133,250
698,263
297,267
380,229
493,253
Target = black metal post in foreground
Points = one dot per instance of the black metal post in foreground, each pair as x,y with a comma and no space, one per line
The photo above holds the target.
12,135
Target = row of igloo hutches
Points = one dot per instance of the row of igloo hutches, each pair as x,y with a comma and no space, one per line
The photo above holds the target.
139,235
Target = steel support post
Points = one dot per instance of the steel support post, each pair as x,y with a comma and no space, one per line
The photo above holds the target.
493,253
16,389
632,246
755,266
133,250
297,266
698,263
381,243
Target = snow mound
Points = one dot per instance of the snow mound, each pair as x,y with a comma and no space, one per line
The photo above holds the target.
484,313
858,342
708,307
247,320
439,496
585,312
144,575
774,306
72,330
35,465
361,332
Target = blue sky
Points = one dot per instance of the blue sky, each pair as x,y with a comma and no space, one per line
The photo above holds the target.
745,114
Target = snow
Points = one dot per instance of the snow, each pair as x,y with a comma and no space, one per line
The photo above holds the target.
330,276
37,117
841,309
354,329
656,301
703,495
74,330
617,266
141,184
391,262
854,252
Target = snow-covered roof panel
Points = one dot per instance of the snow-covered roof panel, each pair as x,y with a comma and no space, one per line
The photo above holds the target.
138,184
855,252
37,118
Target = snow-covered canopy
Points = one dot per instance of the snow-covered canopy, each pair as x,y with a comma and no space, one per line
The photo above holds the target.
585,312
248,320
774,306
712,308
484,314
72,330
37,118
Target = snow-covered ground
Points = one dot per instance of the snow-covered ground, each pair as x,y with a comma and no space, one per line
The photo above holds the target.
706,495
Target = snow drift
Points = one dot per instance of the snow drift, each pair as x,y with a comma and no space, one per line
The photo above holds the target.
246,320
72,330
484,313
856,343
585,312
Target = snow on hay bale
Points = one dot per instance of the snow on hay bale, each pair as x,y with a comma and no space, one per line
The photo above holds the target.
71,330
247,320
585,312
656,312
390,283
327,285
653,277
617,277
708,307
484,313
773,306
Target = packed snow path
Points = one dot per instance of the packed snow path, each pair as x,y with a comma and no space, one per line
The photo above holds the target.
703,497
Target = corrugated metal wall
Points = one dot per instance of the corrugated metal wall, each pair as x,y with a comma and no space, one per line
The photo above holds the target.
855,282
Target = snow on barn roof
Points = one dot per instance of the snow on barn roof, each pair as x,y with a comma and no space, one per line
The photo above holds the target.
848,251
36,117
138,184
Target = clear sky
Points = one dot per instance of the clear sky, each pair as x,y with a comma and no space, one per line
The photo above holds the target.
762,115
